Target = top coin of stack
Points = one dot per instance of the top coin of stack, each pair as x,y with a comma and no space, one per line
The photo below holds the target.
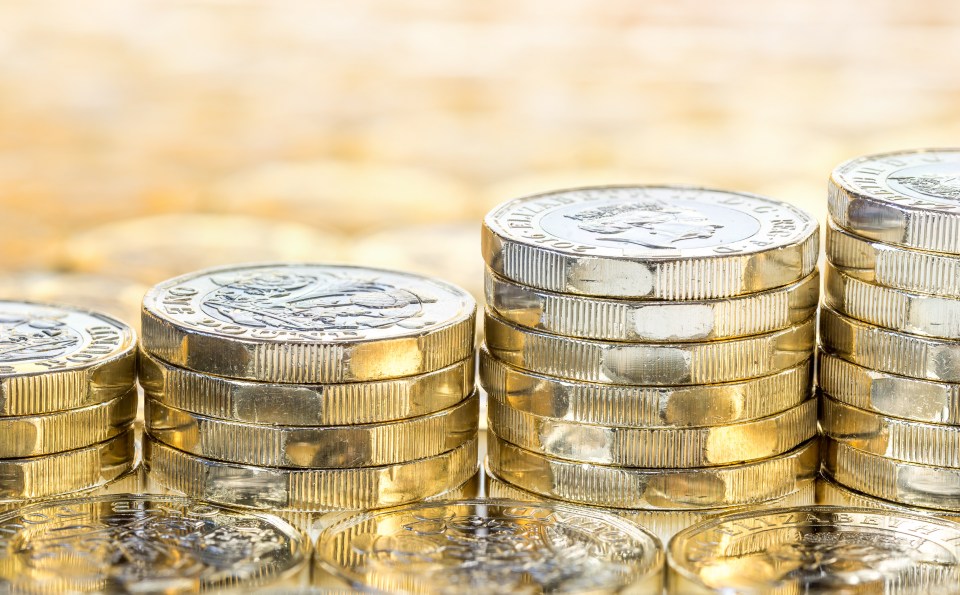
309,387
890,328
644,342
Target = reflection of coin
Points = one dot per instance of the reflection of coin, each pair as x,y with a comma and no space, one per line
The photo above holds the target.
659,242
493,546
611,362
910,198
308,323
816,549
126,542
831,493
54,358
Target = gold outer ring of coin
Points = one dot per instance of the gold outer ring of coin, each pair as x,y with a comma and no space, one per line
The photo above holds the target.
65,472
36,435
887,350
889,394
302,405
599,553
176,326
918,211
904,440
309,489
915,313
653,489
314,447
831,493
656,364
762,551
892,266
652,321
782,249
655,447
903,482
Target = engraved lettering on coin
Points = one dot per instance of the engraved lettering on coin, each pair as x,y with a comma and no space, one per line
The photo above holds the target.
941,180
30,338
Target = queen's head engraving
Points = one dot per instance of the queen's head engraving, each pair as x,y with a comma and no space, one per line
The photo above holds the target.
652,224
24,338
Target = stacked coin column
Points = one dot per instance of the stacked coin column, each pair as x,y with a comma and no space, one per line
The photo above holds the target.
68,399
890,329
650,348
308,387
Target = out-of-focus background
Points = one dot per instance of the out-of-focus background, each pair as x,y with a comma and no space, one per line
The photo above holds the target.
140,139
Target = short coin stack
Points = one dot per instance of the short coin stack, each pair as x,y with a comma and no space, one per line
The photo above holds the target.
68,399
890,328
650,347
309,387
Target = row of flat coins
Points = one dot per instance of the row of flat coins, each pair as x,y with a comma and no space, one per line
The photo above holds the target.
890,328
309,387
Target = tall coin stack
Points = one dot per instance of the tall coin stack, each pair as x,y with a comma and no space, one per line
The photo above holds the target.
68,399
650,348
308,387
890,328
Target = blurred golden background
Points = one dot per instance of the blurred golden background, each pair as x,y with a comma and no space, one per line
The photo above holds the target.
139,140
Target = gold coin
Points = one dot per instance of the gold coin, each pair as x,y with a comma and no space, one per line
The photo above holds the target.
309,489
816,549
645,406
889,394
314,447
54,358
657,489
657,364
130,542
888,350
831,493
306,404
655,447
492,546
308,323
652,321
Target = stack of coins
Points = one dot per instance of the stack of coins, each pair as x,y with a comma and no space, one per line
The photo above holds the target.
650,348
890,328
68,399
309,387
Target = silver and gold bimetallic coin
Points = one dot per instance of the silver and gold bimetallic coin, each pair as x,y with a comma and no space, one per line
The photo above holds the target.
54,358
139,543
889,351
831,493
653,488
492,546
653,321
658,364
907,198
359,445
306,404
645,406
308,323
650,242
816,549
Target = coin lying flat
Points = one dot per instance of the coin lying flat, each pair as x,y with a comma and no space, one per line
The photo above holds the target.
365,445
54,358
892,266
493,546
657,489
656,364
654,242
909,198
889,351
816,549
915,313
308,323
655,447
135,543
309,489
652,321
889,394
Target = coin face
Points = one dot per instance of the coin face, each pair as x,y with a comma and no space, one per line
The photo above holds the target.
127,543
917,179
493,546
817,549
